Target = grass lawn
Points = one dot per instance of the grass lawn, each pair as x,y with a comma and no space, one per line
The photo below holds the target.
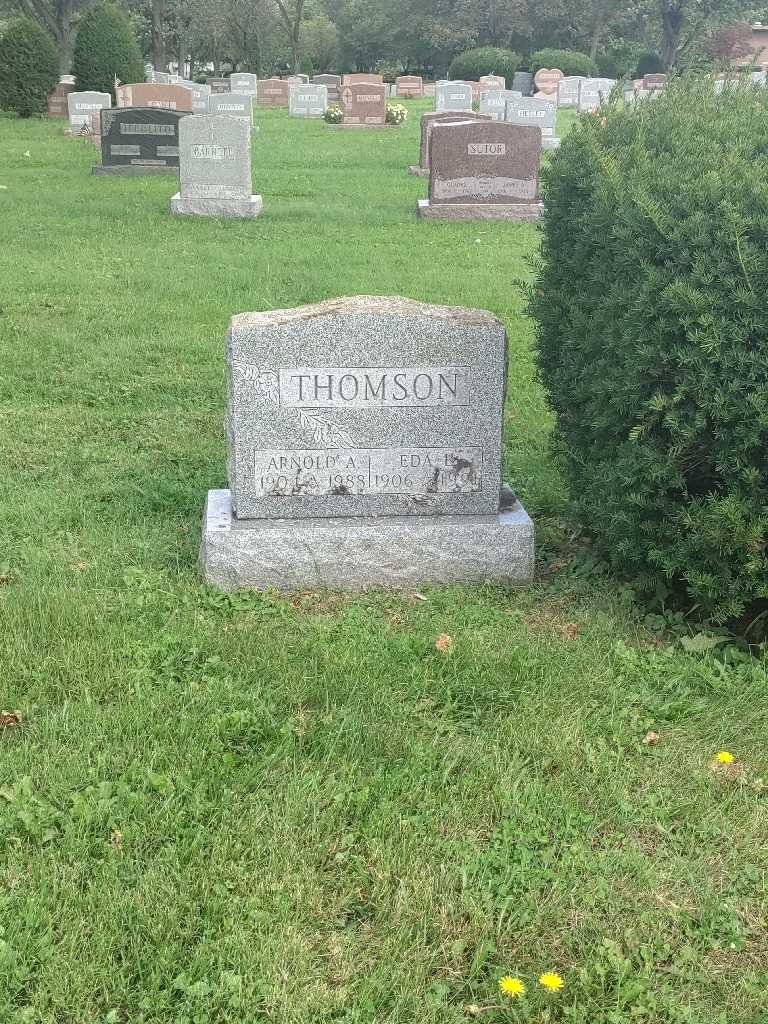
297,808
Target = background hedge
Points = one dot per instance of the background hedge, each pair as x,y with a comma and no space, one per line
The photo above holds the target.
106,46
487,60
652,330
29,67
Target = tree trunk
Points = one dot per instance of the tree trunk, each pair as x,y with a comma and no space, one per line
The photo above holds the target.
295,47
672,23
158,42
597,31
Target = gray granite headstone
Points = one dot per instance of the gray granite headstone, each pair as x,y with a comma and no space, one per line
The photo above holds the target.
494,102
332,84
453,96
243,82
541,114
593,93
80,106
483,170
307,100
215,167
200,96
218,85
232,104
365,439
568,91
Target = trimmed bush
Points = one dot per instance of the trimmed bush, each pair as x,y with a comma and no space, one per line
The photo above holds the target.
570,62
652,333
650,64
306,67
29,67
106,46
487,60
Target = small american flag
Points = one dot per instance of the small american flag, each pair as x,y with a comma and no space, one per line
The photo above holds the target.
117,82
85,129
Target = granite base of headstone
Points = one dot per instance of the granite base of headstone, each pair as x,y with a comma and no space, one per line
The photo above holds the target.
483,170
215,168
365,450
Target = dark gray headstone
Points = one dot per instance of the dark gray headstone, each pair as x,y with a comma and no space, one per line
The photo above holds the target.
522,81
140,138
333,84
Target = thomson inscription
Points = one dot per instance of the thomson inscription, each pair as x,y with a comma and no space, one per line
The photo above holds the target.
360,387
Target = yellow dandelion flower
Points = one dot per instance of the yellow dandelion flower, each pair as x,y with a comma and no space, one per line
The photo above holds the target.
551,981
512,987
724,757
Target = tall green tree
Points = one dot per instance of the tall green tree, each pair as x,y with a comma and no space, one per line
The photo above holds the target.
29,67
106,47
58,18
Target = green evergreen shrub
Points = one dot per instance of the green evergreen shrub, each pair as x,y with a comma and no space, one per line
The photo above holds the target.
106,46
620,60
570,62
652,335
487,60
307,67
29,67
650,64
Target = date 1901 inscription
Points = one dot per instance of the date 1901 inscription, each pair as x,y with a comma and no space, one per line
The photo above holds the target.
418,471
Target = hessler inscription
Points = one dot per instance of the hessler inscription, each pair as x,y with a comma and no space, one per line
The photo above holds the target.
356,471
365,387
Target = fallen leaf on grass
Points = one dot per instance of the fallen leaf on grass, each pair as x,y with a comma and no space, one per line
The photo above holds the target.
6,577
569,631
116,839
9,719
419,597
79,566
651,738
444,642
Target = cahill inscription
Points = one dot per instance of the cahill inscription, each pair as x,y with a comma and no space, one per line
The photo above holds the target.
361,387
